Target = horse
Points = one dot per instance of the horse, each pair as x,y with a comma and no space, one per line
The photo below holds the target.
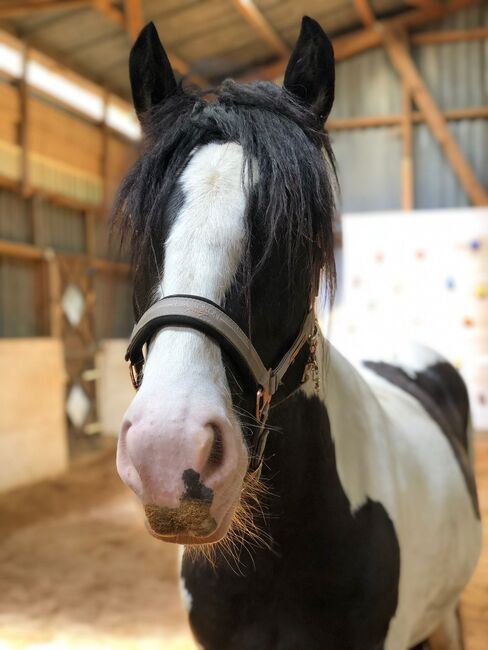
320,504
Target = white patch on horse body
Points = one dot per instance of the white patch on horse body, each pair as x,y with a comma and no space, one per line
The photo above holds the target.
389,450
410,356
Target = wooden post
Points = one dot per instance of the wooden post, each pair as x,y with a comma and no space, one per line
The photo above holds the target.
54,295
406,68
407,159
134,20
90,234
24,126
104,158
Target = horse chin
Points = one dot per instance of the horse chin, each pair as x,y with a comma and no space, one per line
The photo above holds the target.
188,539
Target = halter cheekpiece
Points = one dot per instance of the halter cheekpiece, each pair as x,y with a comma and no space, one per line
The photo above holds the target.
198,313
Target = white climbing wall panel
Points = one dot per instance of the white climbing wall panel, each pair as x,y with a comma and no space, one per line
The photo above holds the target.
420,276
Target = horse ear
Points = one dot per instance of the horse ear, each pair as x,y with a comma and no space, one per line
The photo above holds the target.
151,76
310,74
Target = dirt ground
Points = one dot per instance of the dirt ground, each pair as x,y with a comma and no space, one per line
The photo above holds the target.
79,571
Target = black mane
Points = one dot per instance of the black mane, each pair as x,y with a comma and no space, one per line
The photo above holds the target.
293,198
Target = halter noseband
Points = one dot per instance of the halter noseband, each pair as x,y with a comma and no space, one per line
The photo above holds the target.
198,313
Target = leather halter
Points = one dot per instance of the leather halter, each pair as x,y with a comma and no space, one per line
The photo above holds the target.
198,313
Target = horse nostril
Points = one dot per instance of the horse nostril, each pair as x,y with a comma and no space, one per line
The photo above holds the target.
216,455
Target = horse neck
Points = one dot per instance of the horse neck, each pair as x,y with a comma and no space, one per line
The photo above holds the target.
322,434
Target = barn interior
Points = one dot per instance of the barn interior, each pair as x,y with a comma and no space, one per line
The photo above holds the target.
409,129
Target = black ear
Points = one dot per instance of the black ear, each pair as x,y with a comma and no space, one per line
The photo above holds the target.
310,74
151,76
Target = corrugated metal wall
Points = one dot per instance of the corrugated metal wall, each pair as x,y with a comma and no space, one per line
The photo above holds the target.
18,280
63,229
369,160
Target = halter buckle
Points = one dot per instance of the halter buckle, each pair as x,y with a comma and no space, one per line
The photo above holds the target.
263,400
136,371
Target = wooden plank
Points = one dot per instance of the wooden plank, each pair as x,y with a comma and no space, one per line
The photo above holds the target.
121,19
14,9
406,68
408,193
90,234
250,12
20,251
106,8
364,12
372,121
134,20
24,126
370,37
30,252
452,36
474,600
107,266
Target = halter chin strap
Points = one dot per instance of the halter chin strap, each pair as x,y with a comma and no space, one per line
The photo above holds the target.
205,316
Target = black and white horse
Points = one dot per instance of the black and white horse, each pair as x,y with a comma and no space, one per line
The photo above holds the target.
370,516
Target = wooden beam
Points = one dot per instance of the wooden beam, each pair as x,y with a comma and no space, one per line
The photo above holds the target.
373,121
365,39
250,12
106,8
364,12
407,70
13,9
24,131
20,251
106,266
55,317
408,194
134,20
453,36
37,253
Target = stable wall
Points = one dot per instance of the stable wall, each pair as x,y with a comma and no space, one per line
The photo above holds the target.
114,387
33,442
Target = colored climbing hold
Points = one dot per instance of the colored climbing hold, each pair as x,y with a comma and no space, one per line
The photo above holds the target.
420,254
379,257
480,291
457,362
468,322
450,283
475,244
482,398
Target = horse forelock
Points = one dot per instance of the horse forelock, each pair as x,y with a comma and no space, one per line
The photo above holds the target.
291,202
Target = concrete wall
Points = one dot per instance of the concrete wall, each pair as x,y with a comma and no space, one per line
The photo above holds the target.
33,442
114,388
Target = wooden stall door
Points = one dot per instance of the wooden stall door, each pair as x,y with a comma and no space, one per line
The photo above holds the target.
77,331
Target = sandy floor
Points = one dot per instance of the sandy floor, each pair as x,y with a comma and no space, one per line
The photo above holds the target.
78,570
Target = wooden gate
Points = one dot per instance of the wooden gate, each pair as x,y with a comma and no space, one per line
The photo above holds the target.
75,317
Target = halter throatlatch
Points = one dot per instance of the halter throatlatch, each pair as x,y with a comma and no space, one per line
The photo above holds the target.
205,316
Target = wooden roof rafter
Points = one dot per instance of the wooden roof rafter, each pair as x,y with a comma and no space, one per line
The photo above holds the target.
130,19
253,15
369,37
18,8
